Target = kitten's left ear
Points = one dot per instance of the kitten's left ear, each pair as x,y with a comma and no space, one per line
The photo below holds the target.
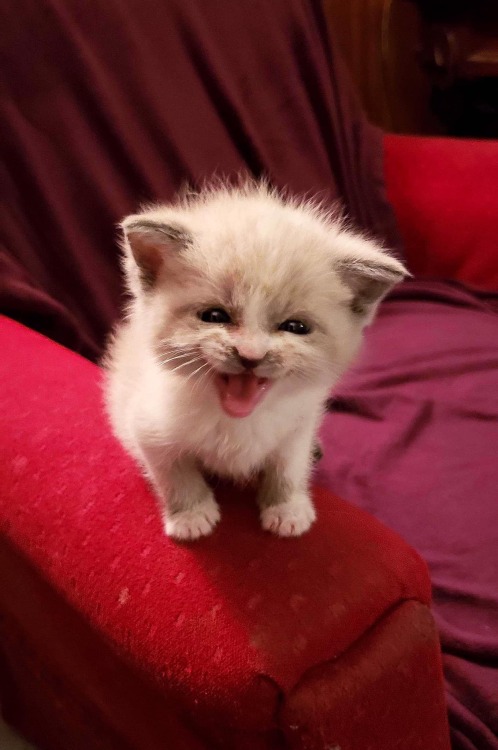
369,272
148,242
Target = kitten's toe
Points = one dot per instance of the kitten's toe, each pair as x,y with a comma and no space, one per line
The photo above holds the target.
291,518
194,523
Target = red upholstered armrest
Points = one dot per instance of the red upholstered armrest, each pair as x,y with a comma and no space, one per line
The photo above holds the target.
445,195
116,637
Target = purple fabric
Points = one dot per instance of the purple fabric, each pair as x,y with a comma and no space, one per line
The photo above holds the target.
106,104
412,437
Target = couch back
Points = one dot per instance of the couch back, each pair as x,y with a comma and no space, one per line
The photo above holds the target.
107,105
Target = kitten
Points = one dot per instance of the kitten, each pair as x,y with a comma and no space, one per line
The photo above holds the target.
246,310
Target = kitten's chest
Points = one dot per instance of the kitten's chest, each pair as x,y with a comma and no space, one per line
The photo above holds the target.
238,447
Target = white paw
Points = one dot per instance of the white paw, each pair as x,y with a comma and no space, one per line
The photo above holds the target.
292,518
194,523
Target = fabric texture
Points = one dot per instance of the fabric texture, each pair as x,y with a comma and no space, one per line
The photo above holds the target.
445,194
106,105
349,710
411,438
223,629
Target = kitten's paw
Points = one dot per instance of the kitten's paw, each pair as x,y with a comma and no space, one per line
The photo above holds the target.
194,523
292,518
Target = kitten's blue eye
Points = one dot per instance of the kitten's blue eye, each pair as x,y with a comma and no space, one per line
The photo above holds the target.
215,315
294,326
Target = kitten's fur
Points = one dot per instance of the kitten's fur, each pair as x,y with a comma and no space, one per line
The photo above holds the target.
263,260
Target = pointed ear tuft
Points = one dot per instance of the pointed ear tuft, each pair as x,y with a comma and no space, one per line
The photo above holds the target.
148,242
369,272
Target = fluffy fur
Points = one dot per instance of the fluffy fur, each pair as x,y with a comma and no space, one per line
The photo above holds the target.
262,260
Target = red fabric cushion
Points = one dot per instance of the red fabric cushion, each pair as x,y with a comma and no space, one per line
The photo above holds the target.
353,699
445,195
223,628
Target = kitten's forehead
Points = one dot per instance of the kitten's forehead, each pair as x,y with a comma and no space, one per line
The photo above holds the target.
265,254
254,246
278,277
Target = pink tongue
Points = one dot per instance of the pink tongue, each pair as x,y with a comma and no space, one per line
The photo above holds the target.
240,394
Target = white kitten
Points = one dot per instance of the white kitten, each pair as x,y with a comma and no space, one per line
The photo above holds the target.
246,310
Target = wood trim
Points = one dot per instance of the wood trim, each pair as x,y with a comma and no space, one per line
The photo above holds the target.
381,41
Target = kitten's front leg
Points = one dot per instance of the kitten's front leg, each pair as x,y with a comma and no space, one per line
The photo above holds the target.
188,507
191,509
284,499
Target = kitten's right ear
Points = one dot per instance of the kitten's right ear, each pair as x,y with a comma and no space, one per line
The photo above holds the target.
148,242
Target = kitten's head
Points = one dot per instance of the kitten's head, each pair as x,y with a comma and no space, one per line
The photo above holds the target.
249,291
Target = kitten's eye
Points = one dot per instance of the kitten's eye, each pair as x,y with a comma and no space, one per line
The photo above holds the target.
294,326
214,315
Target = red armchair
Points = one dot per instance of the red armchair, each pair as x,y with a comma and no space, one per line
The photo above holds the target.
114,637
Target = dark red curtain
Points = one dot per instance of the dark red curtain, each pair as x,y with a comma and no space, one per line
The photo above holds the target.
107,104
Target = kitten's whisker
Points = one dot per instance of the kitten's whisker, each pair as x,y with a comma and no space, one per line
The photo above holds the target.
205,364
204,379
171,359
183,353
166,350
176,349
184,364
176,352
202,382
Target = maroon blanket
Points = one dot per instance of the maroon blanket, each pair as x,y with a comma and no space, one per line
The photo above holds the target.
108,104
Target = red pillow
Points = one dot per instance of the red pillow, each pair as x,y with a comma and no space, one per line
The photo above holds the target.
445,195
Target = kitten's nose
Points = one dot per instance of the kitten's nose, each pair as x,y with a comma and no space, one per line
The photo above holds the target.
249,364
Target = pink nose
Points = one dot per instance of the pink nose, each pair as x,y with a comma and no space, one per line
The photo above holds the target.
249,356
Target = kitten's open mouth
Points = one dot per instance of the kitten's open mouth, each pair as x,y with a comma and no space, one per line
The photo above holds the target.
240,394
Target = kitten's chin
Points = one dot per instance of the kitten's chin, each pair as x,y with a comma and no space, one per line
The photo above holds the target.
240,394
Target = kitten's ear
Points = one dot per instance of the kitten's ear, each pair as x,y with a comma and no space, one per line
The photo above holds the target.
148,242
369,272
